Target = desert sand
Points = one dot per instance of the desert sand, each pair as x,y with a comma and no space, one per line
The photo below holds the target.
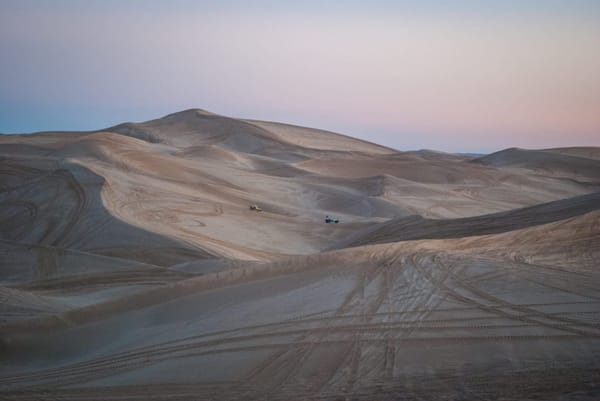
132,268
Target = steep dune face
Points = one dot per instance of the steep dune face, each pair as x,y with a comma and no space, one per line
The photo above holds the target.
131,267
320,140
416,227
56,203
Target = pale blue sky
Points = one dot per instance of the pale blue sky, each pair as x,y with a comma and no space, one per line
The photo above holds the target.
449,75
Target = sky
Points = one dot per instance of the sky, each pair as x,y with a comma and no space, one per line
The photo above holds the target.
457,76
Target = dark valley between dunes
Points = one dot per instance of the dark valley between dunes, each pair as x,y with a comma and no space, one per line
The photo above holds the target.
188,258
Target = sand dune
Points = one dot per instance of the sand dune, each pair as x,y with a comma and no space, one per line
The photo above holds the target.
416,227
561,163
132,267
581,151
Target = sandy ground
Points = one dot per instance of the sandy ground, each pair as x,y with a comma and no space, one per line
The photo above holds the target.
131,267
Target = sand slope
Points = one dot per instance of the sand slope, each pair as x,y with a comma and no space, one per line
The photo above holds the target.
416,227
131,267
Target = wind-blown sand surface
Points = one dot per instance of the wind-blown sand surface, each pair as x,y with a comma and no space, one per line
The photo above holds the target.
131,267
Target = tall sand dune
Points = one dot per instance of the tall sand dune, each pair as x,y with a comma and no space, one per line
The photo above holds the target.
132,267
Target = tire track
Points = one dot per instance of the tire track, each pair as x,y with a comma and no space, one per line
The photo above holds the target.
360,335
511,307
81,203
352,301
327,329
85,375
153,352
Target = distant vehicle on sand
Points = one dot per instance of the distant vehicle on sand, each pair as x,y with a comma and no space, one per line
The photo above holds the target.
329,219
256,208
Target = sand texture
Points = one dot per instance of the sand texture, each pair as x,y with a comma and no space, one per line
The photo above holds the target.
132,268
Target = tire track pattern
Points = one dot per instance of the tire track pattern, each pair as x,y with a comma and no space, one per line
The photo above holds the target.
397,303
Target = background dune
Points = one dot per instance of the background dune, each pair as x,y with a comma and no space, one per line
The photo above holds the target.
132,268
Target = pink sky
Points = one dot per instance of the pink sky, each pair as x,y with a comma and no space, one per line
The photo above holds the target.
449,81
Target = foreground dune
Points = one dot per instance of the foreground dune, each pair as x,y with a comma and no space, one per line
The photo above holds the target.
132,267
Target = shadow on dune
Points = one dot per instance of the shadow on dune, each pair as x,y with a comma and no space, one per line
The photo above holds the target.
417,227
58,205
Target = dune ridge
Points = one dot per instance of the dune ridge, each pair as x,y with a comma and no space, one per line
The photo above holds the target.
133,268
